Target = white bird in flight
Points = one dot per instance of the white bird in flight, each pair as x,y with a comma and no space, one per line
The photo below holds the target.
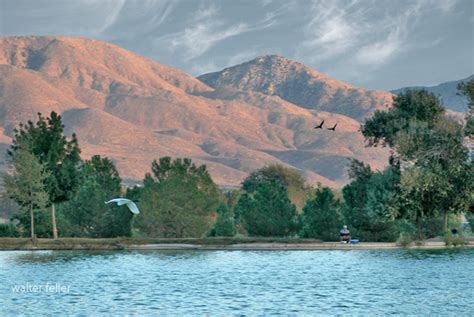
123,201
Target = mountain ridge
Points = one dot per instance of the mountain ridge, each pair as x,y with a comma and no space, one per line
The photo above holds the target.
300,85
134,110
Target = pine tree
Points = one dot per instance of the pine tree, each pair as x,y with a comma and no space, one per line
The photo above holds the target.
27,184
60,156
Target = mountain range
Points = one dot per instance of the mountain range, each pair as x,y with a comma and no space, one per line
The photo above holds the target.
133,110
447,92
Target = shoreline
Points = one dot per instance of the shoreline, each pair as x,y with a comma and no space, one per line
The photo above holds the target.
257,244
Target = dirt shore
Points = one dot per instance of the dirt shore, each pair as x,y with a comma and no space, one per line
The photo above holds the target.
202,244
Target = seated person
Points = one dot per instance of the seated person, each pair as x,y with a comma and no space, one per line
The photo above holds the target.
344,233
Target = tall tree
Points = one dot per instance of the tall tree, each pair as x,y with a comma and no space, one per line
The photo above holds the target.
408,107
295,184
268,211
60,156
424,139
27,184
371,201
179,199
321,217
86,215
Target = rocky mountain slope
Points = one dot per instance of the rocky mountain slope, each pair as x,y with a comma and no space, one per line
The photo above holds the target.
134,110
275,75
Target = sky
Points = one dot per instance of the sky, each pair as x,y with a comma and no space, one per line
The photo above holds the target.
374,44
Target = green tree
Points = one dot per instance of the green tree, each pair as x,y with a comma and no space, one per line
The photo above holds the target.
291,179
179,199
371,201
268,211
27,184
427,141
321,217
408,107
225,224
60,156
8,207
86,215
440,150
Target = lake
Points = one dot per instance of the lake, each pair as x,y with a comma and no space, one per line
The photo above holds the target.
237,282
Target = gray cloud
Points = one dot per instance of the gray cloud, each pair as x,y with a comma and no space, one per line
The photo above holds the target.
371,43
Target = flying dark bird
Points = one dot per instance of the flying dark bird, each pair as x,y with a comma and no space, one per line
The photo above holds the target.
319,126
333,128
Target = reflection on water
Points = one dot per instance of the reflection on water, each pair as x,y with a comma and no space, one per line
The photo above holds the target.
238,282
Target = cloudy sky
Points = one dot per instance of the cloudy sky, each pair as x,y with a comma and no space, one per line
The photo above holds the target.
376,44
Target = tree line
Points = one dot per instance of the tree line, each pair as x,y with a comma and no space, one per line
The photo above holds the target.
428,182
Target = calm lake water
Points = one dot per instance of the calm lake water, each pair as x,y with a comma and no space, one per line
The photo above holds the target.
237,282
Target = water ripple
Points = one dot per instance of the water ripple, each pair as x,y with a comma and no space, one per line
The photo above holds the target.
239,282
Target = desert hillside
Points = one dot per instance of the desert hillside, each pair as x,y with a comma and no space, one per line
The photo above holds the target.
299,84
133,110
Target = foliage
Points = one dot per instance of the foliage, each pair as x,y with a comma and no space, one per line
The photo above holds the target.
436,179
268,211
42,223
370,202
9,230
8,206
409,107
27,184
291,179
321,217
450,239
179,199
86,215
467,89
470,218
225,224
407,232
46,141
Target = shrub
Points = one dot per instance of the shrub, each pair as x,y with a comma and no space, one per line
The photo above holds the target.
407,233
225,225
9,230
456,240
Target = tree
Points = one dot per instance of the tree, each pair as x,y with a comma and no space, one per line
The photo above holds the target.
27,184
225,224
427,141
321,217
291,179
46,141
371,201
268,211
86,215
440,150
179,199
408,107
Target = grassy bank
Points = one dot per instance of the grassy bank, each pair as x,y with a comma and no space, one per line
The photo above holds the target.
125,243
243,243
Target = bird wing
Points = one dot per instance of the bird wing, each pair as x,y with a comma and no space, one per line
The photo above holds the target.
119,201
133,207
